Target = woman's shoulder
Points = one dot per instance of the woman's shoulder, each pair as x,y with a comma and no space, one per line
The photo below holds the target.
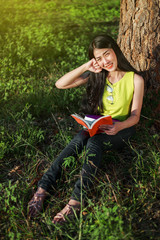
138,78
138,81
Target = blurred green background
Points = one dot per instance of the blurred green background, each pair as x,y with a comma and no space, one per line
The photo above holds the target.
42,39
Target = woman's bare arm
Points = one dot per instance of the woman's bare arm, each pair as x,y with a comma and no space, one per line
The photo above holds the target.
75,77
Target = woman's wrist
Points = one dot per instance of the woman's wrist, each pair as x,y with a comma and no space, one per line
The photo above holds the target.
85,67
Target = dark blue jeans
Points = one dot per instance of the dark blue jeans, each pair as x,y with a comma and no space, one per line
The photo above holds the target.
94,147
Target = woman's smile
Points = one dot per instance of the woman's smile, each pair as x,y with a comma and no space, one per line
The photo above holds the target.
106,58
109,66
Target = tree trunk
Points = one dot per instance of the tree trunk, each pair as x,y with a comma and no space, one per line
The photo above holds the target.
139,37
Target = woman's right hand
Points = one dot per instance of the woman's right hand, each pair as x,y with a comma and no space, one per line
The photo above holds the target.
74,79
93,66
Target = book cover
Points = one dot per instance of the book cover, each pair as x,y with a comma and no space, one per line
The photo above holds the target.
92,122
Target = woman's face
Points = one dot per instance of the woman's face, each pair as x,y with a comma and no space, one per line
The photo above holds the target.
106,58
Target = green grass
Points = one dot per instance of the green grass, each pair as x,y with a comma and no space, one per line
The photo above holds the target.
40,41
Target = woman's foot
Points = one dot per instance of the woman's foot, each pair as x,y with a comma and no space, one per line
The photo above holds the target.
68,211
35,205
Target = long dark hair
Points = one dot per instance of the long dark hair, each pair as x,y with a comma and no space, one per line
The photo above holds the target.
92,101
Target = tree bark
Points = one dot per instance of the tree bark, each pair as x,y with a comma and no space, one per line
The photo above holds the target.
139,37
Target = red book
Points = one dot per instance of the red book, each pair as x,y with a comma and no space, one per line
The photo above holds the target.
92,122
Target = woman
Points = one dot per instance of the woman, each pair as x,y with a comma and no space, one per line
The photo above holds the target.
113,88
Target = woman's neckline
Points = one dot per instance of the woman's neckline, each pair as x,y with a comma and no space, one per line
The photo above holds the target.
112,83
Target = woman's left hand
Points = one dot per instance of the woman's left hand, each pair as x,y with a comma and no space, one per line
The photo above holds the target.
110,129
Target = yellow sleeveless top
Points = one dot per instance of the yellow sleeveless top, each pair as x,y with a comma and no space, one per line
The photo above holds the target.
117,97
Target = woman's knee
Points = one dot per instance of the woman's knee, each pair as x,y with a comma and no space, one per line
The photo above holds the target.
94,143
81,138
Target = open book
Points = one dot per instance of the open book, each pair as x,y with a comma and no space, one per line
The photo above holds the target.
92,122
